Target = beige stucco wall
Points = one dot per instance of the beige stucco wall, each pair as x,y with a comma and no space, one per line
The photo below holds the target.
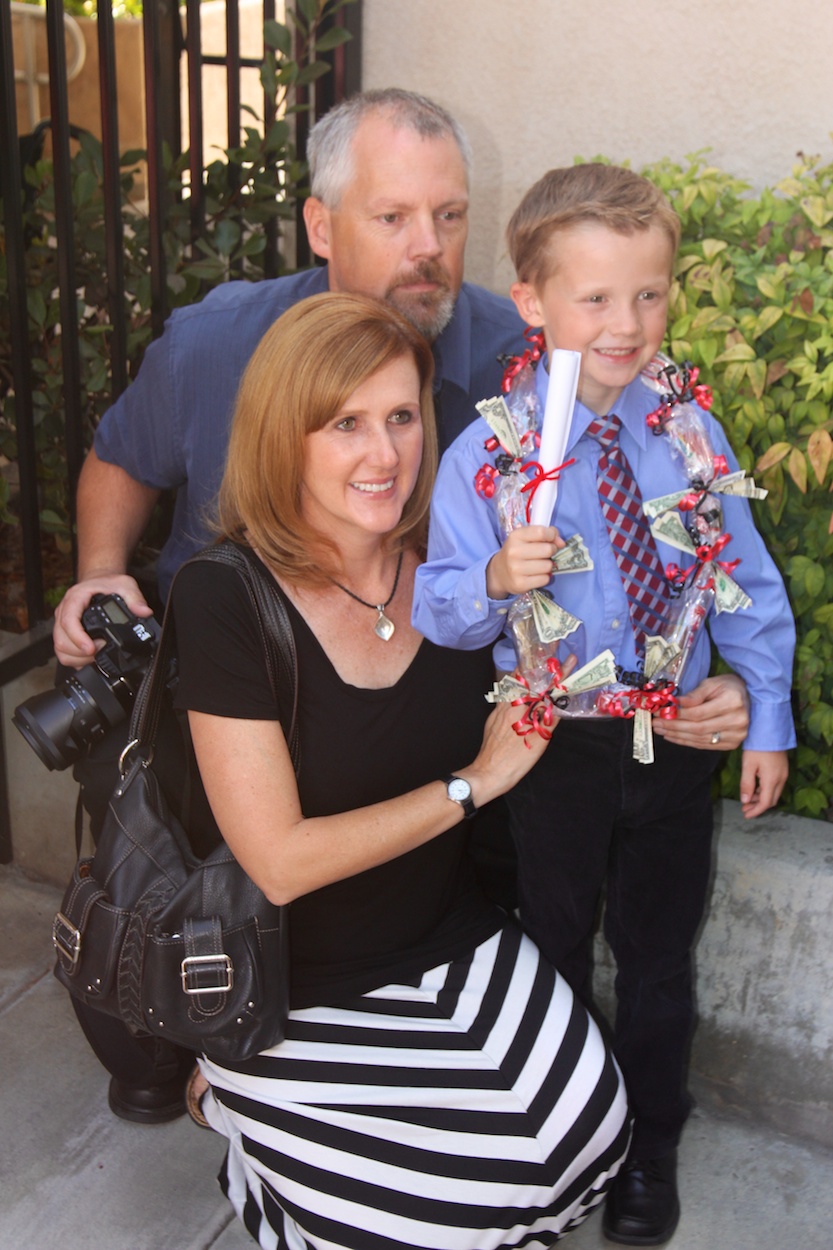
536,82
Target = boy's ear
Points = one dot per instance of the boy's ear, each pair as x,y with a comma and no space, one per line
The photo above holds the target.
317,222
527,303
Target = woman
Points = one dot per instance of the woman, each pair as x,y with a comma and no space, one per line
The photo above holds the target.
438,1085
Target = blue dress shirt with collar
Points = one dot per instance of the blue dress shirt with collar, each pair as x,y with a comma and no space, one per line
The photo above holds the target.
452,608
170,428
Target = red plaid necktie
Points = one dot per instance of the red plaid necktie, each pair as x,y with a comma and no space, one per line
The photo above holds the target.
633,545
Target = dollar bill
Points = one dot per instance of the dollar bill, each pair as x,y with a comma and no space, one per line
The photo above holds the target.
598,672
671,530
643,737
499,419
574,558
663,503
506,690
728,595
738,484
552,622
659,652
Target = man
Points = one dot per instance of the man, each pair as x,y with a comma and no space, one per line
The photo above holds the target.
388,213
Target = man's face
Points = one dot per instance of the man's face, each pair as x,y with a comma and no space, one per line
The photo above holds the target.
400,230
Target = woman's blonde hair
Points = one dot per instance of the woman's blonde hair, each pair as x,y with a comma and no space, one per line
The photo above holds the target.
302,372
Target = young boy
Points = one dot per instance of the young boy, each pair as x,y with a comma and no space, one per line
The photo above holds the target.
593,246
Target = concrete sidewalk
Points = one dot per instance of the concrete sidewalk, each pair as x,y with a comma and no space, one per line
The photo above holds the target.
75,1176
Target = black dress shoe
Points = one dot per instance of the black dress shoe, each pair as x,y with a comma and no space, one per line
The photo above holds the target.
642,1206
153,1104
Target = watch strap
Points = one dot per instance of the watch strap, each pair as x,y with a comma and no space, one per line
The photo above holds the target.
466,802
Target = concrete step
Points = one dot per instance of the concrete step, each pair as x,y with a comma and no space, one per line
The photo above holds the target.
74,1175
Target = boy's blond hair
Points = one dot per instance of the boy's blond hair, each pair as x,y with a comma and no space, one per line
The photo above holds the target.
605,194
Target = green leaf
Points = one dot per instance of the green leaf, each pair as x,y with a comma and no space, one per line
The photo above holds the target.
309,9
811,800
311,72
278,36
737,352
767,318
84,189
816,209
333,38
36,306
768,287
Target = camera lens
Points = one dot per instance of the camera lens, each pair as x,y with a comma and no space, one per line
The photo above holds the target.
59,724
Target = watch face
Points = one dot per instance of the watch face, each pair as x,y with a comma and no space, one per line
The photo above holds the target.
459,790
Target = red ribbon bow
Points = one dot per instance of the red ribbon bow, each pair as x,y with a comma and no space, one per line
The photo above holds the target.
485,481
539,714
681,390
658,700
540,475
531,356
678,576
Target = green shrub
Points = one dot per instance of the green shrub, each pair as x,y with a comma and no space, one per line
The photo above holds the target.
752,305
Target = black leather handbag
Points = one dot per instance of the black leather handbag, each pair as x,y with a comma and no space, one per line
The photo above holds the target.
186,949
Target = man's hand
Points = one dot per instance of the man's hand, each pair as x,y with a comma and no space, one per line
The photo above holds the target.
712,717
73,645
113,510
763,777
524,562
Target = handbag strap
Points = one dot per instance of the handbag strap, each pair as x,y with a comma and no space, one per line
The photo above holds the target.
278,643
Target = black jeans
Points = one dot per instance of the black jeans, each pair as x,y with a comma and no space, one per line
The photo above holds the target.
588,815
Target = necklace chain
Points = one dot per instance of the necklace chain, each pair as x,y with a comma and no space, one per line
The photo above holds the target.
384,626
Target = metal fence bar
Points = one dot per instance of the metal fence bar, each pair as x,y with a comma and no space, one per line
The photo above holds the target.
156,189
270,258
113,226
232,60
65,239
193,46
11,186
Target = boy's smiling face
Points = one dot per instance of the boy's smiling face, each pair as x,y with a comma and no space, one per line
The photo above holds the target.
607,298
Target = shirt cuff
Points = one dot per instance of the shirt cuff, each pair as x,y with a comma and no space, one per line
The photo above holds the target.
771,727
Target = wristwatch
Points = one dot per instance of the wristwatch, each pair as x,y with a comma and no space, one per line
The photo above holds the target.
459,791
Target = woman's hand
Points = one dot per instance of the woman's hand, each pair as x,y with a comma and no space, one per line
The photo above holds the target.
712,717
524,562
504,757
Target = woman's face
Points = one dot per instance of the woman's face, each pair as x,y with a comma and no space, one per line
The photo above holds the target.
361,468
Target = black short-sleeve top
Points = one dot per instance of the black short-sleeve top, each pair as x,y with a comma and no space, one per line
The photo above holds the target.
358,746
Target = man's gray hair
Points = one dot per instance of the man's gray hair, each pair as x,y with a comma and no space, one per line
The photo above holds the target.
329,146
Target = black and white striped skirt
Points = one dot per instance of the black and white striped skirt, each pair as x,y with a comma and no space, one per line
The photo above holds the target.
476,1110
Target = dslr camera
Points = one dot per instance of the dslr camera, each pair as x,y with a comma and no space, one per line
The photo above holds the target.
60,724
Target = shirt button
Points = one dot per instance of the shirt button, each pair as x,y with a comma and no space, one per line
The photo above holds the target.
615,624
478,606
501,611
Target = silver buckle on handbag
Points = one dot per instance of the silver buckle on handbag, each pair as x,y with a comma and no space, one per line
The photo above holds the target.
66,939
193,965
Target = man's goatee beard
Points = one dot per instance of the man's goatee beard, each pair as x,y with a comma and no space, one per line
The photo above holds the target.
430,312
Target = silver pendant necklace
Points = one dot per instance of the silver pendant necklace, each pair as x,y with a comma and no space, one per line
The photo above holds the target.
384,627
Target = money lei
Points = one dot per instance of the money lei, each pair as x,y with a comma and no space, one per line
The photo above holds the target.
656,694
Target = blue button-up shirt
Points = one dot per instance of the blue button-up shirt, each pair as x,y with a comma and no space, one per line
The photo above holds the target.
170,428
452,608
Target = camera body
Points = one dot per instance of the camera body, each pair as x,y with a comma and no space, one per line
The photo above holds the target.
60,724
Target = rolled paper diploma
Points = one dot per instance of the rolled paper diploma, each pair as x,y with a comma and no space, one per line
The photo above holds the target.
561,398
